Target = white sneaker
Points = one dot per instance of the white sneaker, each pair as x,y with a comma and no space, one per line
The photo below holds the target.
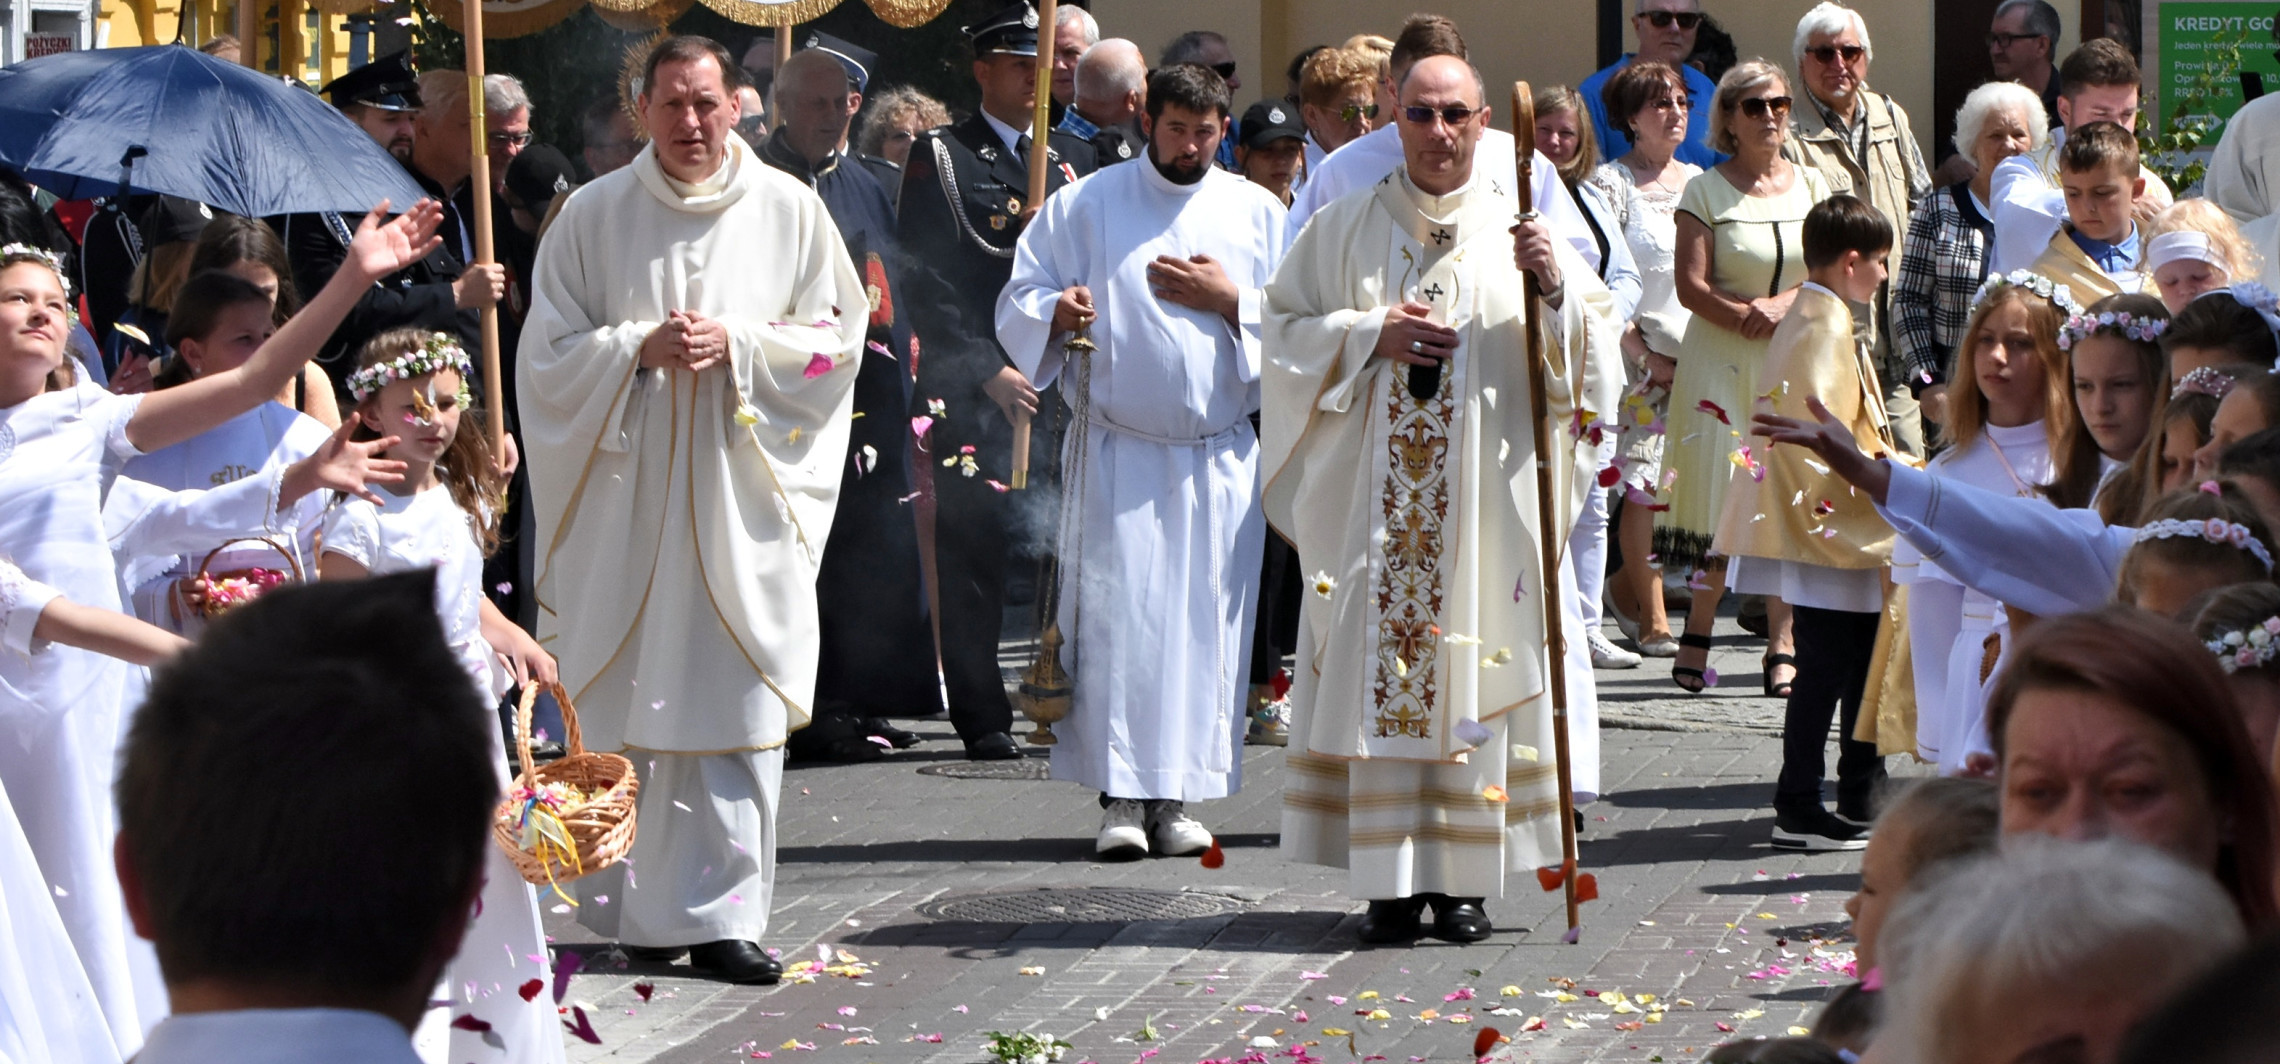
1175,833
1606,655
1121,835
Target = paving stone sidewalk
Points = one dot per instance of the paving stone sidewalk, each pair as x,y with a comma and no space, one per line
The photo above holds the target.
1704,930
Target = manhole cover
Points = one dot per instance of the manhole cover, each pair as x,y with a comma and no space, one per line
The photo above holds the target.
1027,768
1081,905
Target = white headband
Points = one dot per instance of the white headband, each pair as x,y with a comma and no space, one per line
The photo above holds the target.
2180,246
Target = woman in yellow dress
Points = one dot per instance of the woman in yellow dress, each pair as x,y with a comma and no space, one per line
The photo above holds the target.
1740,258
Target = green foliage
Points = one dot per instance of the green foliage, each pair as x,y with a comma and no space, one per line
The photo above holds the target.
2193,120
1021,1047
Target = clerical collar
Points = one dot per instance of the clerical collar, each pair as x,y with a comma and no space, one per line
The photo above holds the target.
1440,208
1821,288
1008,134
1156,179
711,186
2116,258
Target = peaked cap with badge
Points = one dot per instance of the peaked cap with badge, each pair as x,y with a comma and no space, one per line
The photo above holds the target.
385,84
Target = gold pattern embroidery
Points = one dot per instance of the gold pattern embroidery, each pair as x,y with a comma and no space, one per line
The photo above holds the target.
1409,593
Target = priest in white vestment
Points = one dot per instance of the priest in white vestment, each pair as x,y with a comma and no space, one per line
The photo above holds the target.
1421,752
1163,263
687,370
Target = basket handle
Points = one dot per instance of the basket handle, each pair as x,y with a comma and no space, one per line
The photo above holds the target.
573,743
205,563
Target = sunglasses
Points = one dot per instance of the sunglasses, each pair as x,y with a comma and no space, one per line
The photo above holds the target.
1760,106
1455,114
1357,110
1662,20
511,140
1828,53
1226,71
2006,40
1668,103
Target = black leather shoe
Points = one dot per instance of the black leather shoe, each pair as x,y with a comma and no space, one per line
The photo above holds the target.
653,954
995,746
900,739
1460,920
1391,920
734,960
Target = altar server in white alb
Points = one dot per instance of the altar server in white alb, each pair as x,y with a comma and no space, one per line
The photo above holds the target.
1421,753
1160,543
686,378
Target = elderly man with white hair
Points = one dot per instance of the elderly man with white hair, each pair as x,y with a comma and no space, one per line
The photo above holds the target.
2048,950
1943,257
1075,31
1112,89
1860,141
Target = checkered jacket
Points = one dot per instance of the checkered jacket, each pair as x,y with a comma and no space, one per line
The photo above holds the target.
1943,258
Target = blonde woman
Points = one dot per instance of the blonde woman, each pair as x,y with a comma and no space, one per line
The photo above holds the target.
1739,261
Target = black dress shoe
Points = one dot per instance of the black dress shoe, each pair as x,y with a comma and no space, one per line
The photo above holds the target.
852,750
734,960
653,954
901,740
1460,920
1391,920
995,746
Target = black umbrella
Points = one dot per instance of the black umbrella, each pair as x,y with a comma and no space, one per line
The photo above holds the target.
173,119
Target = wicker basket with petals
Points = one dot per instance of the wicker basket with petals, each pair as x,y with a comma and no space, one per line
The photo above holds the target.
569,818
206,594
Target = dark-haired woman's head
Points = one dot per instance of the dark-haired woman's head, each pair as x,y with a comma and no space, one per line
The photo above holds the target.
2115,722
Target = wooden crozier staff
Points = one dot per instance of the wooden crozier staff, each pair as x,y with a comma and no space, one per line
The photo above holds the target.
1038,152
1524,151
479,179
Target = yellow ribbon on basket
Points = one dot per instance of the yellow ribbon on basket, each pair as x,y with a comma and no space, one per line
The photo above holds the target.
547,837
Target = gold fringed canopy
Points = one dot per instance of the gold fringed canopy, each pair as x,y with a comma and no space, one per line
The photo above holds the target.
643,18
771,12
905,14
508,18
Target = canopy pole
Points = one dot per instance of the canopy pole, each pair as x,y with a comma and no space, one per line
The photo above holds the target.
479,183
249,32
1039,131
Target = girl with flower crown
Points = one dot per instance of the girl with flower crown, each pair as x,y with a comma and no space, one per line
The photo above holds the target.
61,707
2192,542
2004,431
2220,328
412,384
2241,626
2120,388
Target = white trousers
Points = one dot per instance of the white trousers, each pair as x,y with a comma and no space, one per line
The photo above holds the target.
703,864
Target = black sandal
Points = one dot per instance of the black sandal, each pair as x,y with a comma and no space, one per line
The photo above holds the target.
1679,674
1771,662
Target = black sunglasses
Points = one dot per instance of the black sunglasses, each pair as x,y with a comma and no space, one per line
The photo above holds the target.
1662,19
1758,106
2006,40
1455,114
1353,111
1828,53
1226,71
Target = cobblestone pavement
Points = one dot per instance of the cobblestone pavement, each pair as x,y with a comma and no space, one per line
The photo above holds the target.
938,885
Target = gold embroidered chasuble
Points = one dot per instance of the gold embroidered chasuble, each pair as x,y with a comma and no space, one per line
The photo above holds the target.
1420,515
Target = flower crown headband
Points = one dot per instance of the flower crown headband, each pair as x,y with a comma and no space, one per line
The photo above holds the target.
2246,648
2215,530
2204,380
45,257
2132,327
438,353
2059,295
